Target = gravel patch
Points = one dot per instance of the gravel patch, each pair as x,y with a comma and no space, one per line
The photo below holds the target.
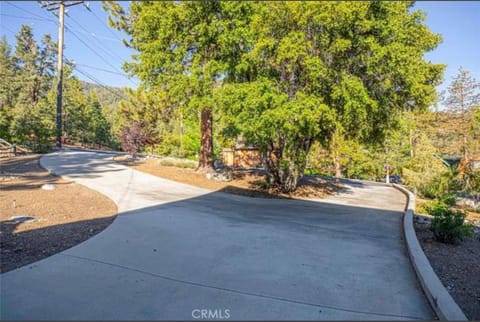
457,266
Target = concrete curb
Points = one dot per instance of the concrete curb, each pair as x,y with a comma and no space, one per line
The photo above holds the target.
439,298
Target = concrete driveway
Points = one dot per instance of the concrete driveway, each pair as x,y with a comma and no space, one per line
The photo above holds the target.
175,250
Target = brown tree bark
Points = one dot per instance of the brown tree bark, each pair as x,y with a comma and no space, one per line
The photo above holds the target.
205,163
338,167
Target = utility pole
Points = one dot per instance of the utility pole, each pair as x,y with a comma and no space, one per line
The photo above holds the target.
60,6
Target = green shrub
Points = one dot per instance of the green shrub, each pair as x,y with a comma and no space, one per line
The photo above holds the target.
167,163
264,184
448,225
441,185
421,207
448,199
187,165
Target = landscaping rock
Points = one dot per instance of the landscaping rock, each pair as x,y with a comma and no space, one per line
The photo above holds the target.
23,219
48,186
224,175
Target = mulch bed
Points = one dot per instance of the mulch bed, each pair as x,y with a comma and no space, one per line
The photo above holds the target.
245,183
65,216
457,266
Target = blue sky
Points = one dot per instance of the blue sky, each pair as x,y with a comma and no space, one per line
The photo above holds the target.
100,55
459,24
457,21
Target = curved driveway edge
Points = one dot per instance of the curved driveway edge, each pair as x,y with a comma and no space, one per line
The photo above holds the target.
175,249
439,298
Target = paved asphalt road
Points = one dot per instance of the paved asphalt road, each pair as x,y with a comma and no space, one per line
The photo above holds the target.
175,250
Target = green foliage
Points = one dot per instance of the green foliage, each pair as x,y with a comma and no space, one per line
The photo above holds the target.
175,134
185,49
333,70
28,99
444,184
307,70
424,168
185,165
462,101
448,199
423,206
471,179
282,129
264,184
178,164
27,75
8,70
283,75
167,163
449,225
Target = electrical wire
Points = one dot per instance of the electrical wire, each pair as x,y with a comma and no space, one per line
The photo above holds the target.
68,29
23,17
95,52
97,36
102,69
100,46
9,30
29,12
100,20
96,81
89,76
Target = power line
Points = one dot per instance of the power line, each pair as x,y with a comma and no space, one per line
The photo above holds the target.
96,81
60,6
100,44
23,17
29,12
103,70
100,20
40,18
95,52
118,72
98,36
88,46
9,30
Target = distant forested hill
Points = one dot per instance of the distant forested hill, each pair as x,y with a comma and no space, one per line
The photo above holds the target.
108,96
444,130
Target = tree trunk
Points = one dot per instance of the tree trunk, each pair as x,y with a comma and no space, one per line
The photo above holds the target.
281,177
338,167
285,180
205,163
465,145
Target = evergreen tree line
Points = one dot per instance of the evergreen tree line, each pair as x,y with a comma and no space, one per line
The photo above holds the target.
28,97
335,88
285,77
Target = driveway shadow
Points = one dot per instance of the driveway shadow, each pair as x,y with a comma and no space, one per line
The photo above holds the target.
312,255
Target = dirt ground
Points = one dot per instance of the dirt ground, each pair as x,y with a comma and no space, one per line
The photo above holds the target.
65,216
457,266
247,183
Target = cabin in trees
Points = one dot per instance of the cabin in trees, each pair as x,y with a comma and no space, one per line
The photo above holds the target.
462,163
241,156
474,163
